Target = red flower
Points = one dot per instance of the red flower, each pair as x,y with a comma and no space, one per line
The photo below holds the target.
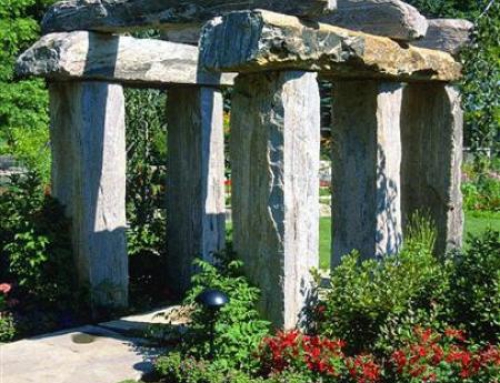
455,334
5,288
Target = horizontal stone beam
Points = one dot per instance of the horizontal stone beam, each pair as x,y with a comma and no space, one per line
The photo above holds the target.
253,41
120,15
101,57
389,18
449,35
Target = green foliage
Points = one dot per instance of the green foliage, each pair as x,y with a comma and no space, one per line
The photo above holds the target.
23,104
146,159
35,251
177,368
7,327
481,191
474,295
35,237
239,329
369,302
481,65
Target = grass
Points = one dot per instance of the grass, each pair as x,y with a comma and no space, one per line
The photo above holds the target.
475,223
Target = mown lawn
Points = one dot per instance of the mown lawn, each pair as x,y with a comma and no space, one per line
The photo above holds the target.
475,223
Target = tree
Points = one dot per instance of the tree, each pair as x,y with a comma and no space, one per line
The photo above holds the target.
481,82
23,104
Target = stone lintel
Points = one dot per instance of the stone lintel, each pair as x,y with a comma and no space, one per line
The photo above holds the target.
449,35
90,56
126,15
389,18
253,41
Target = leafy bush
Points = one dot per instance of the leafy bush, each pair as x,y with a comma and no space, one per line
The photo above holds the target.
483,194
35,251
293,351
177,368
146,163
474,295
447,357
369,303
239,329
7,329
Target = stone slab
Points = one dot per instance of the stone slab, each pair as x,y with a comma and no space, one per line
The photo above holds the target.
92,56
82,355
432,138
120,15
389,18
449,35
87,130
275,144
195,181
366,159
253,41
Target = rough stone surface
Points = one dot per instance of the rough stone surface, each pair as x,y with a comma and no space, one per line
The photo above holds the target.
119,15
253,41
95,56
275,136
88,177
195,184
366,162
432,156
449,35
108,357
186,34
390,18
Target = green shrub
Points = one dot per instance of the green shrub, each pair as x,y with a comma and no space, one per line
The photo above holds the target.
371,304
36,257
483,194
176,368
474,295
239,328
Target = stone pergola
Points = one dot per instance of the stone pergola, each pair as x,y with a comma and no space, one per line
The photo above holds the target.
397,131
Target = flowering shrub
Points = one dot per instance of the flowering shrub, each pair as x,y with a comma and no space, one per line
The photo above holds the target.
7,330
446,358
316,357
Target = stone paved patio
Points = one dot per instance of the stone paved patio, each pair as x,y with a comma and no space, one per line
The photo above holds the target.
88,354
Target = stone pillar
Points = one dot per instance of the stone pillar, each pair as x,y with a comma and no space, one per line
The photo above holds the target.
275,138
366,169
88,177
195,180
432,127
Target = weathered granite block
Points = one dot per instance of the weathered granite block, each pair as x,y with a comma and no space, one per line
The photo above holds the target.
432,124
275,135
449,35
195,181
366,163
97,56
255,41
88,177
389,18
122,15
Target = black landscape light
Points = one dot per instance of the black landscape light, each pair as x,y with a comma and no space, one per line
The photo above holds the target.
212,301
